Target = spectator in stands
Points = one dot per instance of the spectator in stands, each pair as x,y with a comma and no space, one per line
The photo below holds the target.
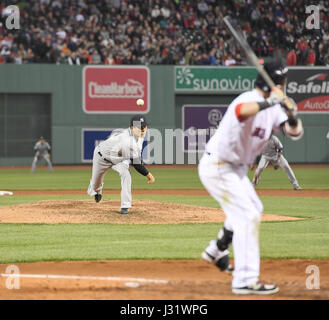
94,28
229,60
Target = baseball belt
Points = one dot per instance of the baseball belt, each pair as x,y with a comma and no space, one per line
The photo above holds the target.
105,158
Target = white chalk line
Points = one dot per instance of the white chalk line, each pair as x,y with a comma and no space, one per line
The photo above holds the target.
73,277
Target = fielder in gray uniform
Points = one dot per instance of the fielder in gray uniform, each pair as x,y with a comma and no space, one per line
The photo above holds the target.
272,153
122,148
41,149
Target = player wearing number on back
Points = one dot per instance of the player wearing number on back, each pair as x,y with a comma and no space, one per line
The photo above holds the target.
242,134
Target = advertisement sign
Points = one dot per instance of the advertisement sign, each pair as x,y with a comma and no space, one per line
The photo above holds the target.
199,124
212,79
91,138
309,87
113,89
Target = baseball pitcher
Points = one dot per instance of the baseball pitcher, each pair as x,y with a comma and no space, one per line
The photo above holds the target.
122,148
41,150
242,134
272,153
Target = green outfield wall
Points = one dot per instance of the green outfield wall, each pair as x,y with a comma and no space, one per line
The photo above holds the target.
48,100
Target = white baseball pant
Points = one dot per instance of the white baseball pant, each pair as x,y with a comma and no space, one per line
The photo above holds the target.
99,170
231,187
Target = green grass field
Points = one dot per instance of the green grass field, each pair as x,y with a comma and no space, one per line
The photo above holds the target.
168,178
307,238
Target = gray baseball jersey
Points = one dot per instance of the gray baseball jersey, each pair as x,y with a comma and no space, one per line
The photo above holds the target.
115,153
270,155
41,151
43,148
271,149
121,145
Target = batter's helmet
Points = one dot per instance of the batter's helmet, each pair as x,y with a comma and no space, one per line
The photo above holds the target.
276,71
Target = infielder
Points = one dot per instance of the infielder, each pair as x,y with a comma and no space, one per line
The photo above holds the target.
272,153
122,148
242,134
41,150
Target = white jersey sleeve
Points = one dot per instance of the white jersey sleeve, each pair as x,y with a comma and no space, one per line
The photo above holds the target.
239,141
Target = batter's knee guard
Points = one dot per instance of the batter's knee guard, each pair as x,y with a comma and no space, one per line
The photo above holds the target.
224,239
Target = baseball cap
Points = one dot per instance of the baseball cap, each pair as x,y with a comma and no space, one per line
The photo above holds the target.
138,121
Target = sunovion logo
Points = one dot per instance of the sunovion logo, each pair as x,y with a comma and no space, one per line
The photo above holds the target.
215,79
309,88
115,89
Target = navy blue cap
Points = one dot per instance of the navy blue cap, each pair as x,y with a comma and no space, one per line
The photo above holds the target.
138,121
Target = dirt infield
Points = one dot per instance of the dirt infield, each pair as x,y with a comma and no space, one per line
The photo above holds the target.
322,193
107,211
157,280
146,279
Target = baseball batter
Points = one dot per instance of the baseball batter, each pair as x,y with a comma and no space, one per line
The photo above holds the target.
122,148
242,134
41,150
272,153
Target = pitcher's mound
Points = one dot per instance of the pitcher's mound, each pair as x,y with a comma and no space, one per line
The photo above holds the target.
108,211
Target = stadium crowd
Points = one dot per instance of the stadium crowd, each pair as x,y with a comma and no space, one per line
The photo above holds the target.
179,32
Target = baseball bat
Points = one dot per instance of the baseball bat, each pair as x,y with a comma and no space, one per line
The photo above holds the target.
239,37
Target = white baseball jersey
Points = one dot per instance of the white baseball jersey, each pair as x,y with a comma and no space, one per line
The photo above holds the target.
121,145
240,141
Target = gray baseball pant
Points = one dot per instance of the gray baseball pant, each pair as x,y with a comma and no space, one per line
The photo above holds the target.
99,170
46,157
282,162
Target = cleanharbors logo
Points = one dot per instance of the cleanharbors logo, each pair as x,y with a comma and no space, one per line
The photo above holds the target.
129,89
115,89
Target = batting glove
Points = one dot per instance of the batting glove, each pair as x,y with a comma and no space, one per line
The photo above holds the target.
276,96
290,107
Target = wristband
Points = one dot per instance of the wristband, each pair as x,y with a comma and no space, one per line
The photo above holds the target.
263,105
292,121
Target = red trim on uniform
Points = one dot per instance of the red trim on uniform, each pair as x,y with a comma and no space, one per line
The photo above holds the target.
238,112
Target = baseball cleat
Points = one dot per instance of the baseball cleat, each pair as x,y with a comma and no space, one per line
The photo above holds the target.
124,211
98,197
297,188
221,262
257,288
